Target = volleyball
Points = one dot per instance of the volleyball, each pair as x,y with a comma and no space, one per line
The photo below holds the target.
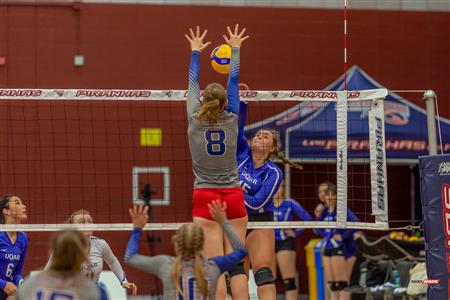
220,59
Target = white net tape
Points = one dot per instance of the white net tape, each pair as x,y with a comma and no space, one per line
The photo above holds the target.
180,95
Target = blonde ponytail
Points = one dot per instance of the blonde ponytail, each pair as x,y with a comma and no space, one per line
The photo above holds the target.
214,100
210,111
200,276
176,274
188,245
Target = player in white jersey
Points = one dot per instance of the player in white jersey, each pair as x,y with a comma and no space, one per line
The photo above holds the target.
64,278
99,252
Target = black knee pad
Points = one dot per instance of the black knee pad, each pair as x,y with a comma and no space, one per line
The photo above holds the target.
332,286
264,276
238,270
340,285
289,284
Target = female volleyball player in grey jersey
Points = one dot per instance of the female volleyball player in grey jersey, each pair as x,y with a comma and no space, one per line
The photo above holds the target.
99,252
64,278
212,132
188,275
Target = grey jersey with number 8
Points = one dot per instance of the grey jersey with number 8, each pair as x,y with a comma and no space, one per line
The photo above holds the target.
213,145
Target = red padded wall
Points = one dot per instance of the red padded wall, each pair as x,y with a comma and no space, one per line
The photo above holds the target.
136,47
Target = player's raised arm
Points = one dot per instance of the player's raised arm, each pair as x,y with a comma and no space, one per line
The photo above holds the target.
197,46
139,218
235,40
231,260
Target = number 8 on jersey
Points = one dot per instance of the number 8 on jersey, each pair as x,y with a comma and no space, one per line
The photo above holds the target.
215,142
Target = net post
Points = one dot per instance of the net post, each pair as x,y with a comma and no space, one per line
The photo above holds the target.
378,169
429,96
341,158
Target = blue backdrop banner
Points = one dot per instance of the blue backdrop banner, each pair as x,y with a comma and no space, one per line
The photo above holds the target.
310,127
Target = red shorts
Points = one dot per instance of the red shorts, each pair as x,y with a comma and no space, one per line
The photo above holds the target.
233,197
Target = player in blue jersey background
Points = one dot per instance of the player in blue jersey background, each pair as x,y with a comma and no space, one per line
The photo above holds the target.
260,179
287,210
321,190
13,246
337,244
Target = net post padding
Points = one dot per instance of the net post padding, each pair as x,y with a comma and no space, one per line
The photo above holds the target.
341,155
378,169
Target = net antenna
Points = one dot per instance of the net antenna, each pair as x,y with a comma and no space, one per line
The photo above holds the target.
28,99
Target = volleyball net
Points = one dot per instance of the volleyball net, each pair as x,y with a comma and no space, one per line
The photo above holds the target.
103,150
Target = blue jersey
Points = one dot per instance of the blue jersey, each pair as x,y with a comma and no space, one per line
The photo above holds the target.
286,212
328,233
259,184
350,248
12,258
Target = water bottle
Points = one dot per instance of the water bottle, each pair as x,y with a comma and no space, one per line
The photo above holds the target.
395,278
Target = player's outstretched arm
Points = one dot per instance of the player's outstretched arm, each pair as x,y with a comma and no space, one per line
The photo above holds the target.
197,45
229,261
139,218
235,40
218,213
196,39
115,266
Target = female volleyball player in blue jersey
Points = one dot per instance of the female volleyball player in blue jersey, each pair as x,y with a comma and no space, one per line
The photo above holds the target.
212,133
336,244
321,190
286,210
260,179
13,246
188,275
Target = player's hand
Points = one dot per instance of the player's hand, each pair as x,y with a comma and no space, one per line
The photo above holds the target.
139,216
243,86
290,233
196,40
337,237
10,288
130,286
217,210
318,210
235,38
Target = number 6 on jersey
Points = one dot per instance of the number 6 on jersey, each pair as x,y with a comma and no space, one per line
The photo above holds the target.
215,142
